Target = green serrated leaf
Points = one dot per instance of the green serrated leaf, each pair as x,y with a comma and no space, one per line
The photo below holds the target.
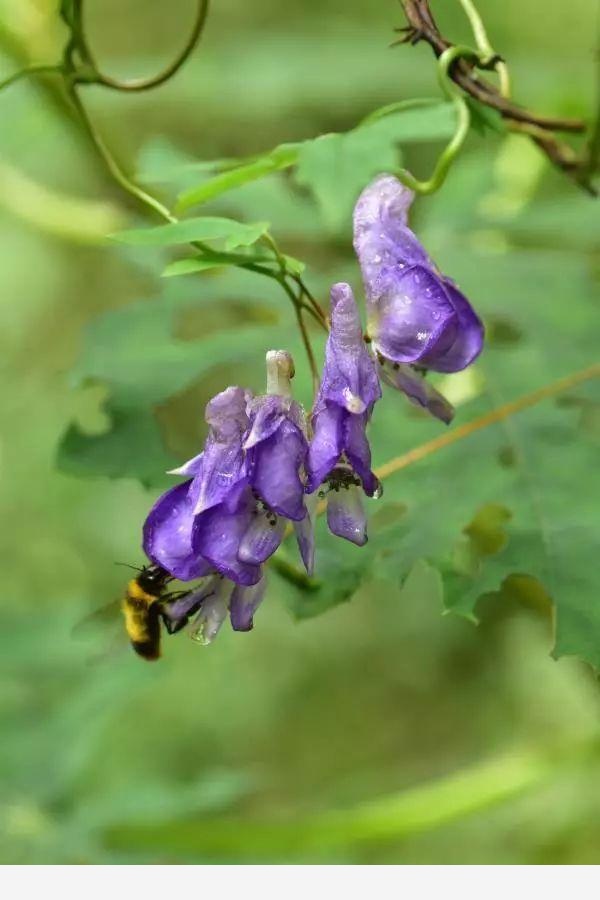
132,448
342,568
134,353
205,228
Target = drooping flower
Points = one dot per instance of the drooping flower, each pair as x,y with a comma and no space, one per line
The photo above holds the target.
417,317
339,455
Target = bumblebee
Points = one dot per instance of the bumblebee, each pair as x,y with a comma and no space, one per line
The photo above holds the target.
144,604
141,610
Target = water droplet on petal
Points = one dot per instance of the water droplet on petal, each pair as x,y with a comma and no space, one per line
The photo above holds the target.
200,636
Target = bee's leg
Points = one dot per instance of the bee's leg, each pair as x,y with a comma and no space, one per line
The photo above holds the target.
173,625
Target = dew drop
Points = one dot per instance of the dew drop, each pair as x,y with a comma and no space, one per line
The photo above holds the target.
199,636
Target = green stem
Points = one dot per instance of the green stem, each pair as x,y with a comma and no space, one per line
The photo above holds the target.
454,94
484,46
398,106
113,166
294,575
315,308
30,70
298,307
145,84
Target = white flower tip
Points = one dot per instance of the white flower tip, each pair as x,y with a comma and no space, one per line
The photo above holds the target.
280,371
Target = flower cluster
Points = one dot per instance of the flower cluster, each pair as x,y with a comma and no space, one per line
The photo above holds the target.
264,462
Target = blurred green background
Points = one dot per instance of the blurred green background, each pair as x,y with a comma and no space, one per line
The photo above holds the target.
438,741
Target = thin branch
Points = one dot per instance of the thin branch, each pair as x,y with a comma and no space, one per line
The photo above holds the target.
146,84
298,308
314,308
491,418
314,370
422,27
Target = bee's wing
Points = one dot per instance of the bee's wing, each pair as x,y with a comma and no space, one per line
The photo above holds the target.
108,615
106,622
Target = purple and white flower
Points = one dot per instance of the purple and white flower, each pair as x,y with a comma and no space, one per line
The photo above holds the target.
339,456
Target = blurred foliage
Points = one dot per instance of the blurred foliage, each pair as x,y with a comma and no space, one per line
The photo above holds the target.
438,741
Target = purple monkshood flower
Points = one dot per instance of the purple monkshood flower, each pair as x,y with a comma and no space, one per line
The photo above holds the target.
417,317
339,455
230,515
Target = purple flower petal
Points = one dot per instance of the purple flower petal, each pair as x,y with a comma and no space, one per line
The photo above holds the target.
468,342
412,316
305,534
168,535
349,375
381,234
276,450
274,467
222,463
348,392
244,603
213,612
326,446
358,451
217,533
226,413
267,413
177,613
262,537
418,390
414,313
346,515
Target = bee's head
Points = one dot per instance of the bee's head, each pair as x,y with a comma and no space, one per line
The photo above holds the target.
152,579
